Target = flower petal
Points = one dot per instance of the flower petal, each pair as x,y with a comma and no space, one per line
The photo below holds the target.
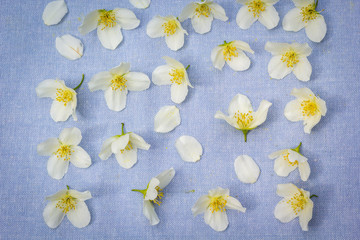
230,120
110,37
233,203
126,18
80,216
179,92
310,122
165,177
189,149
218,11
261,114
282,167
82,196
69,47
284,212
242,45
161,75
175,41
120,143
246,169
303,69
188,11
106,148
90,22
239,63
54,12
48,147
57,167
167,119
293,20
240,103
154,28
217,57
151,192
137,81
100,81
53,215
80,158
57,196
127,159
304,170
150,214
302,93
219,191
122,69
286,190
201,205
202,24
140,3
59,112
269,18
316,29
48,88
138,141
174,63
115,99
216,220
306,215
321,105
292,111
277,68
70,136
244,18
277,153
276,48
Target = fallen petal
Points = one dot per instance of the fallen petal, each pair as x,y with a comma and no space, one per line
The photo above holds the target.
189,149
69,47
246,169
54,12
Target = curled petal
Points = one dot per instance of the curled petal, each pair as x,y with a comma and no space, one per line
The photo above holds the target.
167,119
82,196
261,114
233,203
201,205
189,149
106,148
138,141
69,47
188,11
229,119
90,22
310,122
304,170
217,57
54,12
165,177
126,18
150,214
306,215
120,143
151,192
246,169
218,11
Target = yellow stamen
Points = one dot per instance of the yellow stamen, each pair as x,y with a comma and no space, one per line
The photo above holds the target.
202,9
177,76
309,13
63,95
128,147
256,7
230,51
243,119
159,196
297,202
309,108
118,82
107,18
286,158
170,27
64,152
217,204
67,203
290,58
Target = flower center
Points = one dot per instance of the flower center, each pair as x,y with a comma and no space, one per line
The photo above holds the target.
217,204
309,13
177,76
118,82
286,158
67,203
297,202
256,7
309,108
170,27
159,196
107,18
128,147
243,119
64,152
230,51
63,95
202,9
290,58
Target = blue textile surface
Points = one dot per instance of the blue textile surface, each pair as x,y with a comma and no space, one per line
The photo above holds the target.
28,56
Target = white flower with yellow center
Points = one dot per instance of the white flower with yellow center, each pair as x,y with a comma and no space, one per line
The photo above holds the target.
296,203
116,83
154,193
65,100
109,24
305,15
307,107
124,147
253,10
214,206
140,3
168,27
174,74
233,54
287,160
202,14
241,115
67,202
289,58
62,151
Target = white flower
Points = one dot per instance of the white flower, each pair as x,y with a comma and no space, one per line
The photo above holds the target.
167,119
305,15
109,24
67,202
289,58
262,10
124,147
174,74
153,194
116,83
189,149
65,100
287,160
62,151
69,47
140,3
233,54
214,206
54,12
296,203
307,107
241,114
202,14
168,27
246,169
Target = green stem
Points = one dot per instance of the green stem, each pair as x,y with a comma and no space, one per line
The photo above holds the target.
122,128
245,132
314,196
140,191
187,67
82,80
316,3
297,149
67,186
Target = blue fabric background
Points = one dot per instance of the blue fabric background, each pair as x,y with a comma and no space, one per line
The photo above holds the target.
28,56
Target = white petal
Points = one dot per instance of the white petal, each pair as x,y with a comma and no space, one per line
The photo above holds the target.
242,45
151,192
82,196
277,68
219,192
201,205
127,159
138,142
179,92
321,105
110,37
303,69
306,215
100,81
269,18
80,216
293,20
295,156
282,167
302,3
59,112
69,47
246,169
57,196
239,63
233,203
304,170
140,3
216,220
175,41
106,148
154,28
202,24
188,11
48,147
165,177
218,11
316,29
277,153
122,69
189,149
173,63
240,103
244,18
167,119
53,215
126,18
48,88
90,22
286,190
161,75
261,114
120,143
310,122
276,48
229,119
150,214
137,81
284,212
217,57
115,99
80,158
54,12
57,167
70,136
292,111
302,93
301,48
